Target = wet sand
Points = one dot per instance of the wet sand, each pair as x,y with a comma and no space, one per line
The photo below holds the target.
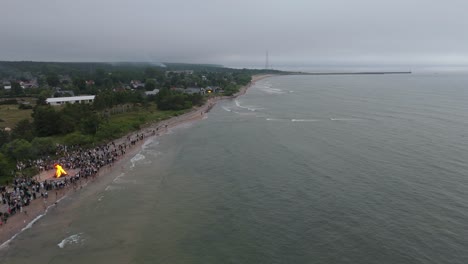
37,208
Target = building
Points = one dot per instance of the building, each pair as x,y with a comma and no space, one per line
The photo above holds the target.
135,84
189,90
154,92
194,90
71,100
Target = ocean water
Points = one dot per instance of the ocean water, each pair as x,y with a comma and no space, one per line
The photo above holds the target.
301,169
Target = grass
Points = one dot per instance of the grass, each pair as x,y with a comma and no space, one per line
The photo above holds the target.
142,116
11,114
150,114
121,124
118,125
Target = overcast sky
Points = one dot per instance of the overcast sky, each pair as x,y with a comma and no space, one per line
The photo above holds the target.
237,32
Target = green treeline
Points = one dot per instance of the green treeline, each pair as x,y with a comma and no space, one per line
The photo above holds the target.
120,105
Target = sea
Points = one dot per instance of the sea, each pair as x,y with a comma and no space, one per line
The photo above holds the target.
300,169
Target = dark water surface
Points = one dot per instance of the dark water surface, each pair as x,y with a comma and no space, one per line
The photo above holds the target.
302,169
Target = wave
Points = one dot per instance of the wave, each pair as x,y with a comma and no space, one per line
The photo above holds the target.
304,120
227,109
276,119
147,143
113,188
345,119
30,224
119,180
136,158
116,179
312,120
250,108
73,239
270,90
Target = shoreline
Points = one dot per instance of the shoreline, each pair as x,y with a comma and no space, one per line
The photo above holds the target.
39,207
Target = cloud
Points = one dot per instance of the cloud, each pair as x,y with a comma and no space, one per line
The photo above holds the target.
236,32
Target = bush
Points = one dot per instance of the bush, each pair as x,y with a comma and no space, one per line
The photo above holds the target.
19,149
25,106
9,102
109,131
76,138
43,145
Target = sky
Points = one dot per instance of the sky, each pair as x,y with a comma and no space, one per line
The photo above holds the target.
237,32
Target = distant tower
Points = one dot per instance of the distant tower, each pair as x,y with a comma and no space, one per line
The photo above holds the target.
267,63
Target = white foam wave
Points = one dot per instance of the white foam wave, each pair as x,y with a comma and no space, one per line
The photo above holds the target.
277,119
147,143
136,158
184,125
30,224
304,120
250,108
227,109
269,90
73,239
263,86
116,179
113,188
345,119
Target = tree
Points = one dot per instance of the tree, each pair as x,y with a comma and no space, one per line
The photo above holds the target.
45,121
5,166
53,80
23,130
90,124
42,80
41,100
4,137
80,84
16,88
150,84
19,149
150,72
43,145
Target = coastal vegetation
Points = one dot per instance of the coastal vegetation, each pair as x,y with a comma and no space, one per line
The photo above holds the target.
31,129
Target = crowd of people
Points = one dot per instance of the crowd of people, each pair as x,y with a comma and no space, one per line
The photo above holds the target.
86,161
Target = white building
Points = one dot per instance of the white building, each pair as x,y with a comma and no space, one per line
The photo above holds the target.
71,100
154,92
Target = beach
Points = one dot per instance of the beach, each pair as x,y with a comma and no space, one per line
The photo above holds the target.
40,206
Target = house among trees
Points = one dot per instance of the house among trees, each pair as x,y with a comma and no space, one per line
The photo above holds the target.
212,89
189,90
29,84
135,84
71,100
6,85
194,90
63,93
189,72
154,92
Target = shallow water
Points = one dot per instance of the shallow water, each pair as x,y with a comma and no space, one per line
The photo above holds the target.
302,169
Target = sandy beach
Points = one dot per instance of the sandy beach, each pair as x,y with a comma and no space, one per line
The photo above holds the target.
39,207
